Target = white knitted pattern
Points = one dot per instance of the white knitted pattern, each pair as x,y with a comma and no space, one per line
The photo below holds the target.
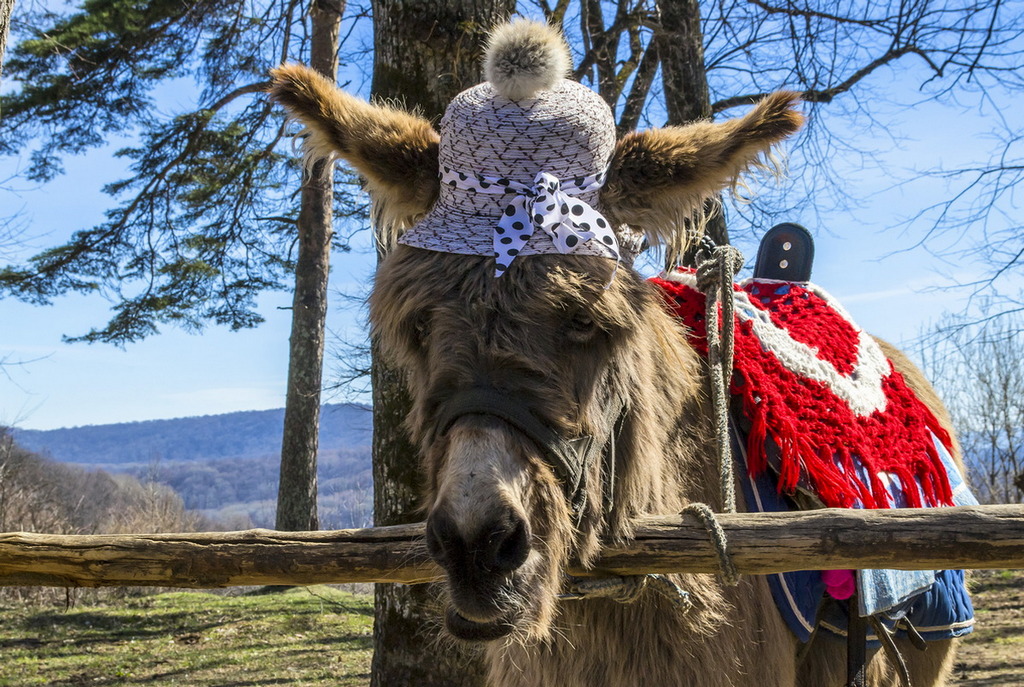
861,390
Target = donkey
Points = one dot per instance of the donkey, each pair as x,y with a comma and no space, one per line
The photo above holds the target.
515,350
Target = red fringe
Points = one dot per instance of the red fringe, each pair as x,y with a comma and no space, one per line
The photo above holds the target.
818,435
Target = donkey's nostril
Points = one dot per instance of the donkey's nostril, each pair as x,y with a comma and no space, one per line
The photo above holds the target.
509,545
440,530
500,547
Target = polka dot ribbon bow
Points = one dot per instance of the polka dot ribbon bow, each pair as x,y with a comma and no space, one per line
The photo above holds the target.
548,205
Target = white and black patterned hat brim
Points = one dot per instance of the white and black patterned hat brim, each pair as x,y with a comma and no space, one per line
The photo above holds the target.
566,133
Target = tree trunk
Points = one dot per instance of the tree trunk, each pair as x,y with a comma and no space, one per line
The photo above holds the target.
681,49
425,53
6,10
296,496
687,99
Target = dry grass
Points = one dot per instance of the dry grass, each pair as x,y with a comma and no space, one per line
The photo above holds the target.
323,636
318,636
994,653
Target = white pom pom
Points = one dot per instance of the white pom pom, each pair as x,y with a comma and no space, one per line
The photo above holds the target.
525,57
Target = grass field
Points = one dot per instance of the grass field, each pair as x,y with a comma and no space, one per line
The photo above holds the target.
315,636
994,653
323,636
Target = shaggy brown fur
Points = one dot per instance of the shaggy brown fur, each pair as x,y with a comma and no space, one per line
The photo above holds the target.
395,152
656,181
450,324
561,336
659,178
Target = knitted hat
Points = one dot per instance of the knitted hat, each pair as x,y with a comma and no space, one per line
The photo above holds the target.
522,158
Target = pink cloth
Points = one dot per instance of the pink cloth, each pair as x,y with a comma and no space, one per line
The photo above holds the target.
840,584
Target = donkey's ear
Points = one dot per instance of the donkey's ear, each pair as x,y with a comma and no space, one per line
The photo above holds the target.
396,152
659,178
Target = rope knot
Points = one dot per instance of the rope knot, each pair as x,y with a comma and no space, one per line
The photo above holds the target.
716,535
626,589
716,265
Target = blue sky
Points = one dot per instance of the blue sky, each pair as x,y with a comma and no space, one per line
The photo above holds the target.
891,288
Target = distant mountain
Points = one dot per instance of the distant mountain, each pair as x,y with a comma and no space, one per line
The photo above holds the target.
227,465
247,434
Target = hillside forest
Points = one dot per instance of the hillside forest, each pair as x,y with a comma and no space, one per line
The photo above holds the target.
221,471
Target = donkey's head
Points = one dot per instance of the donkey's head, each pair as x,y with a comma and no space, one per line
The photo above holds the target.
523,336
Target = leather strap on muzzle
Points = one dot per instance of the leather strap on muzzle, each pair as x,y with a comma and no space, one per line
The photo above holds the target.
568,458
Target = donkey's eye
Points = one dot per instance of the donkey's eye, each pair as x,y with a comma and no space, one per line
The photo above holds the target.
419,329
581,327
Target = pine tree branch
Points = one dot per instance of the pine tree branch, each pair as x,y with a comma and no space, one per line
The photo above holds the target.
48,267
258,87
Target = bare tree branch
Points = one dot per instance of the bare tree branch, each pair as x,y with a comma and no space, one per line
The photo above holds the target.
813,95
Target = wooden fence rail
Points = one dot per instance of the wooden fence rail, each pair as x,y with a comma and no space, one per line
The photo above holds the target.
909,539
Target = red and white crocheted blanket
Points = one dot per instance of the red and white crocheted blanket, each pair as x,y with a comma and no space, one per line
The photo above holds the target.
822,390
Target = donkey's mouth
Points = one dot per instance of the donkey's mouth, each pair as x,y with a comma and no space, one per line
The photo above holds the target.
471,631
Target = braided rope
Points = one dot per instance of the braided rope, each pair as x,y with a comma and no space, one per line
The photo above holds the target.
715,271
668,589
716,268
716,534
626,589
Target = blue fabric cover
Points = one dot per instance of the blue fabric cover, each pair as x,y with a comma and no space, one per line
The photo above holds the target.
935,603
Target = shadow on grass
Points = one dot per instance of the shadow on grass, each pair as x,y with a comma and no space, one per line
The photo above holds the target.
97,646
341,642
99,627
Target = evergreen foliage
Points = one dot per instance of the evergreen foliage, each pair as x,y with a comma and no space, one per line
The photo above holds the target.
206,221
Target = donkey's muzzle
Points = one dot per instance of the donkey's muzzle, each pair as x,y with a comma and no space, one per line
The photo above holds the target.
481,571
499,547
462,628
